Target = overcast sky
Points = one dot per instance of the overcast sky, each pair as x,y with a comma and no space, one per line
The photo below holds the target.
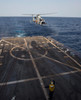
63,8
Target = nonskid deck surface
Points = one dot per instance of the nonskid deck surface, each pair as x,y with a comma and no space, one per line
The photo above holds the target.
27,65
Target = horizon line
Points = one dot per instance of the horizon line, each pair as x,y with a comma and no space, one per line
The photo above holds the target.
45,16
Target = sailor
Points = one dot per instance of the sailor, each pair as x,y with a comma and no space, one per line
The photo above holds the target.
51,89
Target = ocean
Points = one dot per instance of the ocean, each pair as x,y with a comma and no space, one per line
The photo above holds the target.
65,30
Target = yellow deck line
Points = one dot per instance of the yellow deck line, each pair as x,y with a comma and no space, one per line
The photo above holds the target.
62,63
63,52
36,78
38,74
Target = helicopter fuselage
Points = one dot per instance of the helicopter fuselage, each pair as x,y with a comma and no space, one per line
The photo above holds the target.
39,20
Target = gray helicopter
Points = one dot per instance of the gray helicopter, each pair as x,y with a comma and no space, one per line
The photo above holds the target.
38,19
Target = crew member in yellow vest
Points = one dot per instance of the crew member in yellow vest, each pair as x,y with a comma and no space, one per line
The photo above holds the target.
51,89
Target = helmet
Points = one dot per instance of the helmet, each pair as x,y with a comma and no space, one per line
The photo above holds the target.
51,82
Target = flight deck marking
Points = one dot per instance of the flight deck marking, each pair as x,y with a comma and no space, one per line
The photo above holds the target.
35,58
63,52
18,81
36,78
41,56
15,56
17,45
10,42
61,74
25,80
26,59
38,74
62,63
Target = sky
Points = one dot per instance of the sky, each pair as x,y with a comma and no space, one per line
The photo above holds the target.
61,8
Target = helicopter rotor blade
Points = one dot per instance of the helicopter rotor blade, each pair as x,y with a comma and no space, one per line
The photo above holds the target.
27,14
41,14
47,13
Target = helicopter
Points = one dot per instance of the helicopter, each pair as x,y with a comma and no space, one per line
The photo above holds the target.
38,19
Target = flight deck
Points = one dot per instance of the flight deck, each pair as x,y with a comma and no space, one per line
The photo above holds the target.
28,64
